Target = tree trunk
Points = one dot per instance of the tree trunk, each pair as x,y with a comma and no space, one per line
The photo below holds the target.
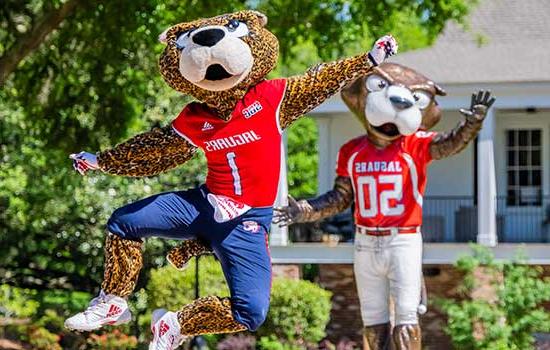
30,41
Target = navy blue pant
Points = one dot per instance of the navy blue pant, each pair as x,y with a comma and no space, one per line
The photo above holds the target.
239,244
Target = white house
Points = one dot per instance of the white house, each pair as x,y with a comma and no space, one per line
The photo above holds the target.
497,191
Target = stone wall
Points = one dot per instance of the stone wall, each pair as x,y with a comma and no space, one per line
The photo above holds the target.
288,271
345,319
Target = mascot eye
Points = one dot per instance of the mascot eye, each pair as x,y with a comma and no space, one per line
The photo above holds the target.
376,83
236,29
183,39
233,25
422,99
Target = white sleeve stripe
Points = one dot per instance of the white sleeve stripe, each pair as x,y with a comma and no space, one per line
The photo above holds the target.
414,179
277,118
184,136
350,169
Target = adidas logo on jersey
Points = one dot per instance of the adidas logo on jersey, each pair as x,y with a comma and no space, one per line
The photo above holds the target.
207,126
252,109
114,310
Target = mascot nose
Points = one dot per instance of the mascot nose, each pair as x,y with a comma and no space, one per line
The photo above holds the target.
400,102
208,37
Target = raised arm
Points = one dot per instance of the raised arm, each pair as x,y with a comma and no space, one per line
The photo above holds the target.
305,92
325,205
449,143
146,154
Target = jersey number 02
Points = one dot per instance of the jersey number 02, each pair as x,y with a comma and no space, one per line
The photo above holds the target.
369,183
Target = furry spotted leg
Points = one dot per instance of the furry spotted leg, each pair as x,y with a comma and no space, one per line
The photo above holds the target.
378,336
123,261
180,255
210,315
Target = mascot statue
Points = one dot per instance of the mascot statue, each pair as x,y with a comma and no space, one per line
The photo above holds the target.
237,122
384,172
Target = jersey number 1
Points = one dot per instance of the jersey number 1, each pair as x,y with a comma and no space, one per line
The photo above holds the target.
385,196
235,173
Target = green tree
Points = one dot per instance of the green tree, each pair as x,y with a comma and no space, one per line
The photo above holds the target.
82,74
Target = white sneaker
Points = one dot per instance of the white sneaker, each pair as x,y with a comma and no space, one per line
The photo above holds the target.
166,330
105,309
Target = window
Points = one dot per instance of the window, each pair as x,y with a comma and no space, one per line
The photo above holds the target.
524,167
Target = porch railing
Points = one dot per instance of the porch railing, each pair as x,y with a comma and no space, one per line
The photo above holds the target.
452,219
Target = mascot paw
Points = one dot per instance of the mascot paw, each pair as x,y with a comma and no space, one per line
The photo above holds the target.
479,105
84,161
383,48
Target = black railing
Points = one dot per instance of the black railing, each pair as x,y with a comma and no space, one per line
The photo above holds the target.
452,219
449,219
525,220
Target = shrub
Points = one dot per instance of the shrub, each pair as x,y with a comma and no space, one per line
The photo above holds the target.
510,322
237,342
17,302
112,340
297,317
299,312
272,343
42,339
171,289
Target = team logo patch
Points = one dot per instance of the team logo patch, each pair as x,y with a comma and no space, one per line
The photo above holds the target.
207,126
251,226
252,109
225,208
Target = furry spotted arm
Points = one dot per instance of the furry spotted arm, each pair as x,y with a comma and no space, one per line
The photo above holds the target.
325,205
305,92
147,154
447,144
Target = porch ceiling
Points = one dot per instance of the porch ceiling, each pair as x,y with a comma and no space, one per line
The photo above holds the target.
518,95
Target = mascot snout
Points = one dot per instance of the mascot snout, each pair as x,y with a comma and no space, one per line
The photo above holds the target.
215,58
400,97
391,110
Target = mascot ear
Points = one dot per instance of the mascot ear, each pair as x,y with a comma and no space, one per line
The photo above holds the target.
162,36
353,94
261,17
439,90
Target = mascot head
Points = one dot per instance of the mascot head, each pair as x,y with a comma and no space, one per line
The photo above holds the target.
216,60
393,100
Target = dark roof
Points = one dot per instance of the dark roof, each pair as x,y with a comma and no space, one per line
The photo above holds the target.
505,41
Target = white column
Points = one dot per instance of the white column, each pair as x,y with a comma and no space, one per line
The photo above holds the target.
325,169
486,183
279,235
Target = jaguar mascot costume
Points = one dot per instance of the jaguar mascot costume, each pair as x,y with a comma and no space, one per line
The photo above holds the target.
237,121
384,173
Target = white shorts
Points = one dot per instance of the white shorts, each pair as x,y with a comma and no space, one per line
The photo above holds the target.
384,266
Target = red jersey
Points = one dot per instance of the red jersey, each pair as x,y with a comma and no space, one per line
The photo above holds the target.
388,183
243,154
